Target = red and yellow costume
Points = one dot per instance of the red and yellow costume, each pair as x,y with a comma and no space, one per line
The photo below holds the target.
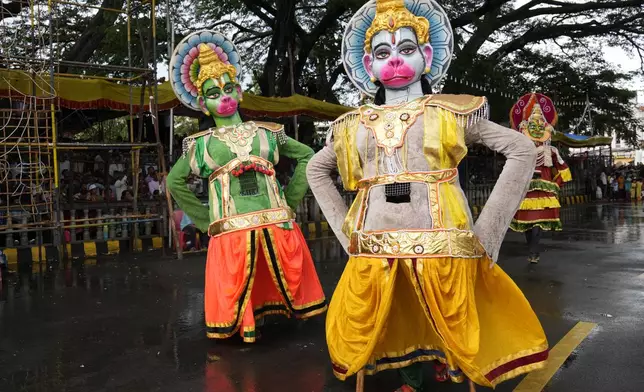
534,115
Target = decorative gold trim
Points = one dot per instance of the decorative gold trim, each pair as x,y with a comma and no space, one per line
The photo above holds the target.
416,244
431,177
251,220
270,126
389,125
435,205
226,200
267,257
461,104
265,313
313,312
537,220
372,368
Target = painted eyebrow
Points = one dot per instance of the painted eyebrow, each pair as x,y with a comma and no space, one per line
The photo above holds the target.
407,40
212,90
381,44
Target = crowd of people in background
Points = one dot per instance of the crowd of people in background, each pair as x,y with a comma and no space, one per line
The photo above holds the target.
621,183
89,178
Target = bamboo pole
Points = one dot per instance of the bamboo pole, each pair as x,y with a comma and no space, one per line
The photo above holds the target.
155,122
360,381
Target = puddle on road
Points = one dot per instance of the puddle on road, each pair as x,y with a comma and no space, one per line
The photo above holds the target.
603,223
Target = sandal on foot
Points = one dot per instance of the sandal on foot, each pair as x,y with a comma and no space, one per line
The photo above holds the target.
441,372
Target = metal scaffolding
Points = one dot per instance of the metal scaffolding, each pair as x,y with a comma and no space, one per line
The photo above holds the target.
32,211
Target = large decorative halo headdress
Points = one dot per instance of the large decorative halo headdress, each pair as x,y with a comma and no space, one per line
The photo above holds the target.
533,104
440,37
184,64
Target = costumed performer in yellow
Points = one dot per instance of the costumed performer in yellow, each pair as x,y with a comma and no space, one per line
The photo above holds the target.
421,283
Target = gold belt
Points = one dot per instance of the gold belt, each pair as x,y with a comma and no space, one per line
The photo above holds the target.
431,177
250,220
416,243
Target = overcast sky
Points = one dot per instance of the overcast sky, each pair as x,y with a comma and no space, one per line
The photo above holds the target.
619,57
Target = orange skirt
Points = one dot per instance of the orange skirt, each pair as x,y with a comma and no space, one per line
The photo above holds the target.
251,274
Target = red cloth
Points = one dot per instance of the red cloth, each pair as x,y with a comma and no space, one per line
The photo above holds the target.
253,273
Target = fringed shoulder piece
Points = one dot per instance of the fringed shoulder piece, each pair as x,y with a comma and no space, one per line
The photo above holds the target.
275,128
343,122
468,109
189,141
556,153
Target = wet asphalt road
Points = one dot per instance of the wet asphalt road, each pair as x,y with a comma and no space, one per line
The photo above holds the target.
136,324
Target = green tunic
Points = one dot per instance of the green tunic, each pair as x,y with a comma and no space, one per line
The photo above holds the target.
214,150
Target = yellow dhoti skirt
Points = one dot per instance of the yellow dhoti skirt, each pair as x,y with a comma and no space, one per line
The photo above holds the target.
390,313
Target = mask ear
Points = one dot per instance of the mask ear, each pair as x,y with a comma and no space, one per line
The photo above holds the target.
367,61
240,93
202,105
428,54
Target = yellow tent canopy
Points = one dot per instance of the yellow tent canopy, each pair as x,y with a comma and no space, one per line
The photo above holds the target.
88,93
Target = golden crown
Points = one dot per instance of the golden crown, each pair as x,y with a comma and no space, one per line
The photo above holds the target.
392,15
536,112
211,67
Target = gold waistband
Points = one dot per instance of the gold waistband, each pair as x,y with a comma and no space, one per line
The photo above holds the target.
431,177
227,168
416,243
250,220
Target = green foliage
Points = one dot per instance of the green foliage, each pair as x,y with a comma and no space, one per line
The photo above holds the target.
109,131
565,80
185,125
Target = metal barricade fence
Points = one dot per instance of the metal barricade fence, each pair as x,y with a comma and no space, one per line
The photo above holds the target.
85,222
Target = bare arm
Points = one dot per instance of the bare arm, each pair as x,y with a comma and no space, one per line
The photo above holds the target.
318,172
512,185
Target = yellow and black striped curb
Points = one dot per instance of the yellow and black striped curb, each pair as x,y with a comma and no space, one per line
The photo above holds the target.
314,230
578,199
81,250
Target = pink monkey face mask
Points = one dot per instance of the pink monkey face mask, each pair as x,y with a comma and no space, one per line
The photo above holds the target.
396,60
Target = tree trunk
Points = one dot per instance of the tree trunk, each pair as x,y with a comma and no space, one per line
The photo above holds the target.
91,39
283,33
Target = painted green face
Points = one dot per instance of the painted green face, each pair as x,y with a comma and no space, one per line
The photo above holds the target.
537,128
221,102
